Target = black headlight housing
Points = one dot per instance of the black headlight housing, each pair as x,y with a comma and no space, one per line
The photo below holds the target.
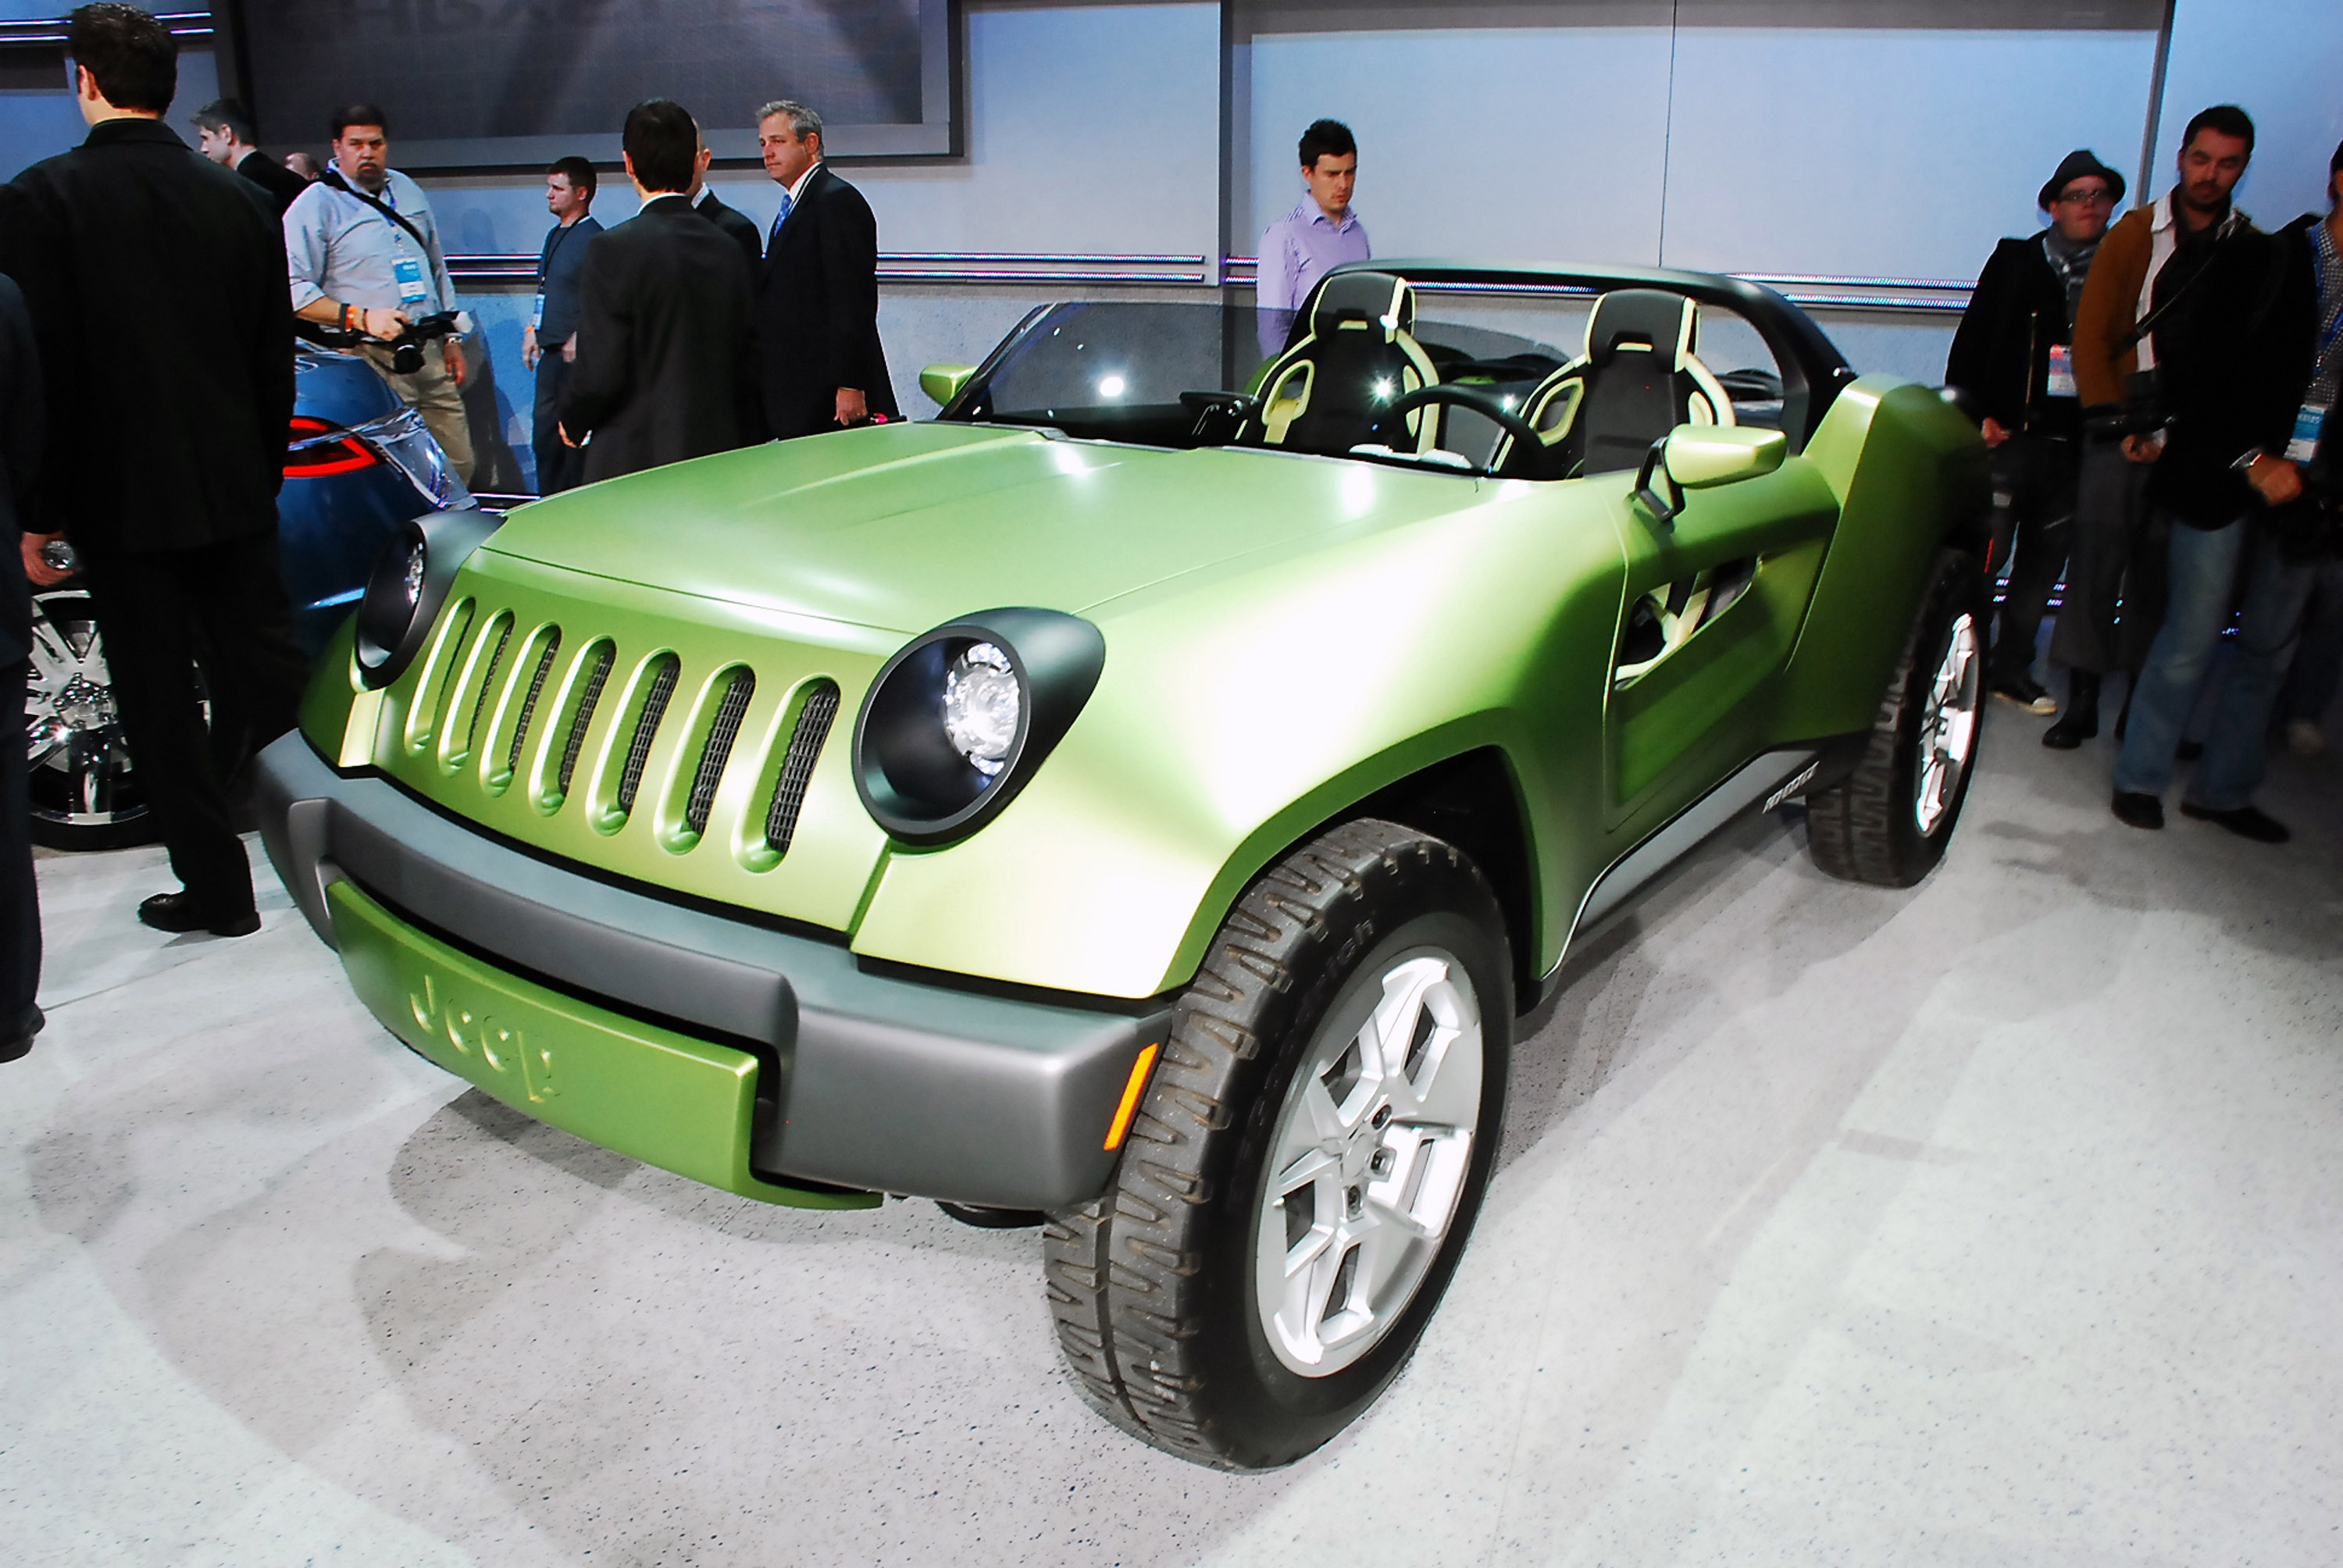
408,585
914,780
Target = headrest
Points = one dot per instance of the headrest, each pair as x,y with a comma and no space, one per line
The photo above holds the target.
1650,319
1364,299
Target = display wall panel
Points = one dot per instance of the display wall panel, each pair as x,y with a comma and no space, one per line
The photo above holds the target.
1894,152
2282,62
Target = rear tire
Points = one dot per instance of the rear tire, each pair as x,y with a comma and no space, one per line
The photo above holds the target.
1888,822
1307,1162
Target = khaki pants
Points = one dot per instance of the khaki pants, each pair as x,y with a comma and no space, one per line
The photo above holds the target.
432,393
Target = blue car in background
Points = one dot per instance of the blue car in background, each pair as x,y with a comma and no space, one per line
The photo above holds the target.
357,463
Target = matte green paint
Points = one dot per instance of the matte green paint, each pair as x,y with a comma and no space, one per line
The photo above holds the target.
1285,634
663,1098
943,382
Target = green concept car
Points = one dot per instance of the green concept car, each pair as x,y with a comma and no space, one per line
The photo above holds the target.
1147,795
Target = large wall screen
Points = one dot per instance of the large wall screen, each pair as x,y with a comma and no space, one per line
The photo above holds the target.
473,84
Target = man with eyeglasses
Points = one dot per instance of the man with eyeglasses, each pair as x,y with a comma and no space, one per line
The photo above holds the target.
2012,354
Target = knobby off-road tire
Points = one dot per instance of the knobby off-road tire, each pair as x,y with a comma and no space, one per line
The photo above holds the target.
1888,822
1357,1000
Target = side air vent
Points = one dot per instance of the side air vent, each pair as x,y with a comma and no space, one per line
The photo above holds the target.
528,703
721,734
598,672
814,720
639,752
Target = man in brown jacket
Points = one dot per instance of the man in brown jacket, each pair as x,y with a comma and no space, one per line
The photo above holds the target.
2146,266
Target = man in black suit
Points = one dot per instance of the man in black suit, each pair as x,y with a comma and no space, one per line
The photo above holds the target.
20,460
665,366
157,285
817,293
732,222
224,134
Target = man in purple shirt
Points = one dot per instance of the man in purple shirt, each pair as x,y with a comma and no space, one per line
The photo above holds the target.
1299,249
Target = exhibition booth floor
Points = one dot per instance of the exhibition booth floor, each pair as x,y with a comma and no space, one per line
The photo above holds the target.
1996,1222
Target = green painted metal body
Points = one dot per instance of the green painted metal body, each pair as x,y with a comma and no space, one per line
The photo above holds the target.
1285,634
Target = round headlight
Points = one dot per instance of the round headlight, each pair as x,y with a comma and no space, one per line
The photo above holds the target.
957,720
408,586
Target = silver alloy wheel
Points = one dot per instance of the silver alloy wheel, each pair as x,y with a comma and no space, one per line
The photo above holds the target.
73,734
1370,1154
1949,722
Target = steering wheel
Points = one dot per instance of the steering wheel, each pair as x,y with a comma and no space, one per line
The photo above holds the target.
1482,403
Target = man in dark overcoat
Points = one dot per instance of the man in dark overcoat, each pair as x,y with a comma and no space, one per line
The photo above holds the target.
156,284
20,460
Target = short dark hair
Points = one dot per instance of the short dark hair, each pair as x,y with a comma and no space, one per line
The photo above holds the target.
132,57
228,114
577,172
350,114
1327,139
663,140
2222,120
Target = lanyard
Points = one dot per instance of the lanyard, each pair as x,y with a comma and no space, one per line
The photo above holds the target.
2334,322
545,267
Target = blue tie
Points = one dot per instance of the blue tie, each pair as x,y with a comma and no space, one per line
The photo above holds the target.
775,238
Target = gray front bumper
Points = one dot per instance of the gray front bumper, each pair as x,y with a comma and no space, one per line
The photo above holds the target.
884,1083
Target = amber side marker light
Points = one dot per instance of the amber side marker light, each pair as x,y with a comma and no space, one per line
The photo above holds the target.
1129,1106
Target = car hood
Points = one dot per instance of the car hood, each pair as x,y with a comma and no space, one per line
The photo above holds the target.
903,527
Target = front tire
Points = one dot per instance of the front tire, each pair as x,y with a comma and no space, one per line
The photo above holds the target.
1307,1162
1888,822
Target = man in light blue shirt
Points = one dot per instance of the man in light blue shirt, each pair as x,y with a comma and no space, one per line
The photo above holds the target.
1322,232
363,253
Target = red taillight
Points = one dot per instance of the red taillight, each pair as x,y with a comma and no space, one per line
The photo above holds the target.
323,456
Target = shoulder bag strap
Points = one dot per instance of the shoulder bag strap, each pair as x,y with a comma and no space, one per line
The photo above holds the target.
333,176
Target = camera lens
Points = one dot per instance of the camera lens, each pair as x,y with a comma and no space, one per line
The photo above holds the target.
407,358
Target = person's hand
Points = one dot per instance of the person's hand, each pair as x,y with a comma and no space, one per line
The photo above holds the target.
2275,480
570,349
42,574
851,407
383,324
528,350
2142,448
1995,431
567,439
452,353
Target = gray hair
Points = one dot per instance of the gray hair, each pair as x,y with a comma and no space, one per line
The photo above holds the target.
803,122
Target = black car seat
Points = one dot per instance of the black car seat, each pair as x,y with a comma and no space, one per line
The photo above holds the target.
1325,393
1637,380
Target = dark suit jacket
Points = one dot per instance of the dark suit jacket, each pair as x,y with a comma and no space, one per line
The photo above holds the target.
156,284
735,224
281,183
818,310
665,366
2001,352
20,460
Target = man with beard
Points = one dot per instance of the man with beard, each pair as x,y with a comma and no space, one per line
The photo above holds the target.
364,255
2012,354
2154,260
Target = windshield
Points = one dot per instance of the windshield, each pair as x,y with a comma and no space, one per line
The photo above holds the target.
1183,374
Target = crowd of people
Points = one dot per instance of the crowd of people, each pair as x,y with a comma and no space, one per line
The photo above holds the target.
2157,394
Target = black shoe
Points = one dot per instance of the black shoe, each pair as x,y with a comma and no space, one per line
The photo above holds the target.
2081,719
179,912
2133,809
2245,822
2025,691
26,1028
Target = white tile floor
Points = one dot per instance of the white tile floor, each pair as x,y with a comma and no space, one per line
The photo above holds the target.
1996,1222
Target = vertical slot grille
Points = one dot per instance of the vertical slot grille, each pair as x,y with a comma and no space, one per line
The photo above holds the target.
489,682
639,752
814,720
585,715
721,734
528,703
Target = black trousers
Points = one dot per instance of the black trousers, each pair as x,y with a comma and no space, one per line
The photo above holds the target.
2117,567
2037,473
20,906
161,612
559,467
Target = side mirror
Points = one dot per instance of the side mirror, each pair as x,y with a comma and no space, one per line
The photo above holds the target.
1697,456
944,382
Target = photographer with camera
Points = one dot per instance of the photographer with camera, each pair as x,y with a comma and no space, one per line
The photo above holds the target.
2150,276
363,254
2245,400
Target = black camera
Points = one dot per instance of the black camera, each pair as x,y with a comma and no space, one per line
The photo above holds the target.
405,355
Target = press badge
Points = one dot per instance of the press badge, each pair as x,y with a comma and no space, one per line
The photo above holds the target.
537,311
2062,372
410,274
2309,420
